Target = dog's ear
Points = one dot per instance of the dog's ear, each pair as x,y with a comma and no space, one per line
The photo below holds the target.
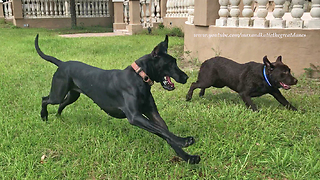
155,51
166,41
267,63
279,59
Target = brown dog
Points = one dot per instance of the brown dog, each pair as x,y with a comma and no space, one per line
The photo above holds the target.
249,80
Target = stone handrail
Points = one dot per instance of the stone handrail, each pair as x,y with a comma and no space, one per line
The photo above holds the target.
180,8
230,15
60,8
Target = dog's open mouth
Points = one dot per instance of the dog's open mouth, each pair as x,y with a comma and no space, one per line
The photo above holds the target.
167,84
285,86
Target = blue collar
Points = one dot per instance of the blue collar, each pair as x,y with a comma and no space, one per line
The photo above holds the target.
265,76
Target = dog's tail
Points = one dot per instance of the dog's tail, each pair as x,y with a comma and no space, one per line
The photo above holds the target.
46,57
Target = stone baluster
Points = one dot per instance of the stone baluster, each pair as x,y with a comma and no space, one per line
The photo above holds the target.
25,8
107,8
234,13
153,5
46,7
42,7
89,9
37,10
168,8
172,2
186,5
9,10
147,13
191,11
126,12
262,13
315,14
175,8
278,13
50,3
247,13
33,7
142,2
96,8
223,13
100,8
66,8
158,11
296,13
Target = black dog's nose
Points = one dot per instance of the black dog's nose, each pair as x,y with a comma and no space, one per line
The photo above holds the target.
295,81
185,78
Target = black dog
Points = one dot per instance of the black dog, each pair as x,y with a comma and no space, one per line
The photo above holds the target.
249,80
121,93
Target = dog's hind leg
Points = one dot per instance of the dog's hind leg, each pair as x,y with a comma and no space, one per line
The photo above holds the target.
72,96
59,90
202,91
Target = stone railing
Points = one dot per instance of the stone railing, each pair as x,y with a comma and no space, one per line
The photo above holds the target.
60,8
180,8
230,14
7,8
150,12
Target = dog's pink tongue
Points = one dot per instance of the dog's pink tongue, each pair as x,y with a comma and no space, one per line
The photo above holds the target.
284,85
169,81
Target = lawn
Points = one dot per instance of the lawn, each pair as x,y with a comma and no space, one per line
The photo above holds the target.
86,143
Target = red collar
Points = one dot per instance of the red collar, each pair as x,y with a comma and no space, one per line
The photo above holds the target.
139,71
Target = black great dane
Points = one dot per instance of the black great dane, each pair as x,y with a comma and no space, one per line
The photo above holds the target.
121,93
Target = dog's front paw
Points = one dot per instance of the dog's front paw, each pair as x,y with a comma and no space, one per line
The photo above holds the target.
194,159
44,115
188,97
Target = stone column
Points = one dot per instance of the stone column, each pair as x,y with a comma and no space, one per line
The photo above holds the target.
205,12
315,14
262,13
17,13
134,15
296,13
247,13
118,15
223,13
278,13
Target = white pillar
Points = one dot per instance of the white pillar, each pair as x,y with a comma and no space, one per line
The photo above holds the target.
247,13
262,13
315,14
296,13
278,13
223,13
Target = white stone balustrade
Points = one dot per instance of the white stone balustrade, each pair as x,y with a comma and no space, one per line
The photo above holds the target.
150,12
7,10
60,8
179,8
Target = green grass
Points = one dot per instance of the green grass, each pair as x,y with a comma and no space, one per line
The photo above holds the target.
86,143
